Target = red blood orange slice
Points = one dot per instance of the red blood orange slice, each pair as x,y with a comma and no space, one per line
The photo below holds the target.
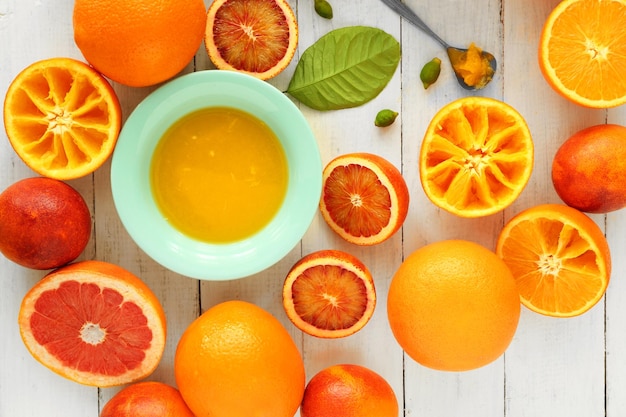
329,294
254,37
364,198
94,323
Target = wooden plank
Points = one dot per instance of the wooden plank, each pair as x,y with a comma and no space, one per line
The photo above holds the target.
615,360
26,386
554,366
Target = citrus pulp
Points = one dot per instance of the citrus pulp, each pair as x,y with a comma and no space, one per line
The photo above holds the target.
329,294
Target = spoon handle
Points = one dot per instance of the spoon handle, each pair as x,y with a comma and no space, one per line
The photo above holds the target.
404,11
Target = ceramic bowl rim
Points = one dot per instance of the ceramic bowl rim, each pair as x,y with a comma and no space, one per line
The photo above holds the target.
143,220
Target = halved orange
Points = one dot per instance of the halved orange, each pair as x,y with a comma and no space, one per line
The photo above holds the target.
364,198
258,37
476,157
559,258
62,118
94,323
582,51
329,294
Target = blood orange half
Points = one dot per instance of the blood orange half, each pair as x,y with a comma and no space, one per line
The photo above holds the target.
364,198
258,38
329,294
94,323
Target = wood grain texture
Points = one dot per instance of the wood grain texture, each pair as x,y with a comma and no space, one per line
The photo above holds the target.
554,367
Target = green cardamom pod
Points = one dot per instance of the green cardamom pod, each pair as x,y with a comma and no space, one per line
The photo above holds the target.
430,72
385,118
324,9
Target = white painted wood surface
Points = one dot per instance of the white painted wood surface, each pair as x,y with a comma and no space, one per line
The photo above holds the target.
554,367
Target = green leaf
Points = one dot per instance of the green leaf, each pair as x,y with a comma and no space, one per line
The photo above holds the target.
345,68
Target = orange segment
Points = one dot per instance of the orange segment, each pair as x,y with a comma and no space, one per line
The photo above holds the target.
255,37
62,118
329,294
476,157
559,258
94,323
582,51
364,198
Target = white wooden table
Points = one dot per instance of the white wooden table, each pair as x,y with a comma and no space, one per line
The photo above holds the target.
554,367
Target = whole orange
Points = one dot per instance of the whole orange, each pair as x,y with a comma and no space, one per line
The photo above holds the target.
453,305
589,169
44,223
147,399
237,360
139,42
348,390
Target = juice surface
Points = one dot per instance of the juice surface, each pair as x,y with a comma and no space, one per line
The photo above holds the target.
219,174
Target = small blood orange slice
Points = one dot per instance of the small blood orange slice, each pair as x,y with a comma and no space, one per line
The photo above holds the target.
254,37
94,323
329,294
62,118
364,198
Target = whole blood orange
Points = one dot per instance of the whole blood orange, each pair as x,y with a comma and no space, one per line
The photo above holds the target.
237,360
348,390
559,258
44,223
258,37
365,199
329,293
62,118
453,305
139,42
94,323
589,169
147,399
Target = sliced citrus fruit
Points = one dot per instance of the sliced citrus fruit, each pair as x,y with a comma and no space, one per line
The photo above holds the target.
476,157
94,323
582,52
364,198
62,118
255,37
559,258
329,294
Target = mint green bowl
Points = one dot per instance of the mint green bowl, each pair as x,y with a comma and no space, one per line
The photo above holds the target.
137,209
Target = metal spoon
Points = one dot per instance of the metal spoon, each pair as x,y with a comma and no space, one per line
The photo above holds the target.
456,55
